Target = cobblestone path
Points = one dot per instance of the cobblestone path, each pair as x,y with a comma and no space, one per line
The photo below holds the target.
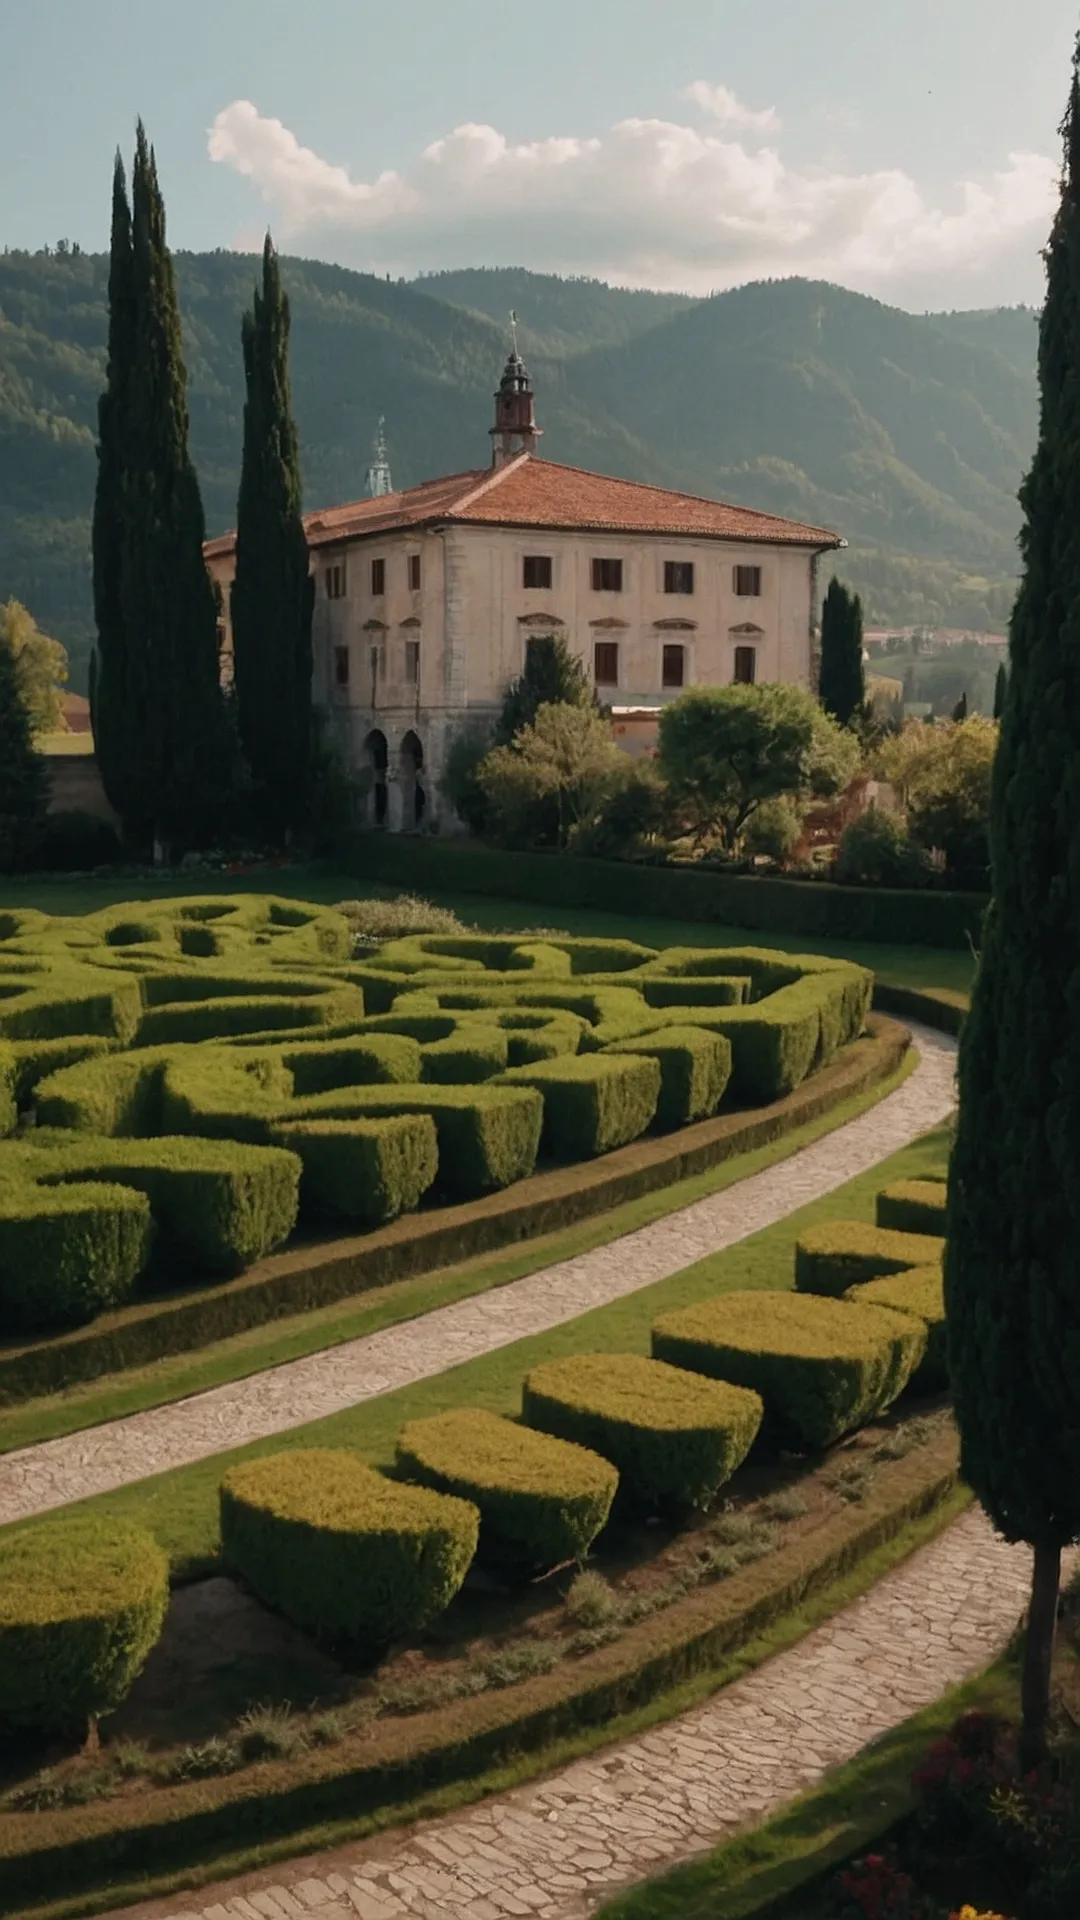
557,1850
35,1479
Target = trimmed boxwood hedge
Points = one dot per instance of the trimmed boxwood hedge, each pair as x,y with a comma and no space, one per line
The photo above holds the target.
488,1136
81,1606
674,1436
364,1170
921,1292
695,1068
341,1550
68,1253
541,1501
843,1253
592,1103
913,1206
823,1367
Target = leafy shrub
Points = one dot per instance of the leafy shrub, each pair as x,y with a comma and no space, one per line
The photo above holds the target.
364,1170
822,1367
592,1600
876,850
341,1550
592,1104
373,921
541,1501
913,1206
674,1437
630,819
81,1606
774,830
843,1253
695,1068
921,1292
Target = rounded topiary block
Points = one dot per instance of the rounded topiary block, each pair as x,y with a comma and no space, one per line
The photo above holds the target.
822,1367
81,1605
913,1206
843,1253
921,1292
592,1103
541,1501
674,1436
365,1170
68,1253
342,1550
695,1068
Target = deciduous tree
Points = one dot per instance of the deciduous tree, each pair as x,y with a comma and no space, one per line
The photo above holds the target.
23,777
40,665
1013,1221
566,756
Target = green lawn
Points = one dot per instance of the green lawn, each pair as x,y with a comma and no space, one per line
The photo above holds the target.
897,966
180,1506
179,1375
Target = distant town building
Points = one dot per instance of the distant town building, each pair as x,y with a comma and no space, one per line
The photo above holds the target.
427,599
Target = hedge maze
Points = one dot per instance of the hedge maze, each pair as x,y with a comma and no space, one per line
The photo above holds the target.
181,1081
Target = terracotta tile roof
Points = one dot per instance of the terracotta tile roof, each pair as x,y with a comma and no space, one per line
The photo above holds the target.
529,492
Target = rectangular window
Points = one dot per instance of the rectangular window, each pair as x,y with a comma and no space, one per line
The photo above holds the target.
745,666
341,666
607,576
606,663
335,581
748,582
378,577
536,571
678,576
412,663
673,673
414,573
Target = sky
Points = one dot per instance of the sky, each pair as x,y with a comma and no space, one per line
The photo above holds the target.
908,150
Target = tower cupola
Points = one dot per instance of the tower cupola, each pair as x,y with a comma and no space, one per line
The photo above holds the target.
515,430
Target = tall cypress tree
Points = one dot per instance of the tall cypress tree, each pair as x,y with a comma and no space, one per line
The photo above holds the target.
114,722
272,595
1013,1224
842,681
1000,684
178,746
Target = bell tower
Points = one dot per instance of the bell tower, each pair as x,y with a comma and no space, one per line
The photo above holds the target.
515,430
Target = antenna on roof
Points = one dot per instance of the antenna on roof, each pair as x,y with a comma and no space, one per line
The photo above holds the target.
378,473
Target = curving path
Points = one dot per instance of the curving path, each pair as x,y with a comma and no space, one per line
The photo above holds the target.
36,1479
558,1849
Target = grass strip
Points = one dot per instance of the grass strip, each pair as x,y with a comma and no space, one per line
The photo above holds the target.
411,1769
775,1871
871,1067
181,1507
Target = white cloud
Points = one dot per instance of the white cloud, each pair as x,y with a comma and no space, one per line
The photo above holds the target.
726,108
651,203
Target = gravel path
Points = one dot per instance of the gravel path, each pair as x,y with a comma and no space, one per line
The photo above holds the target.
35,1479
557,1850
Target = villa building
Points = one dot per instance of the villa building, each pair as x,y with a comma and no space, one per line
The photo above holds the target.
426,601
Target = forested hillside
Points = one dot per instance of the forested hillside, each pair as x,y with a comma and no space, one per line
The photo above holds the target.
909,435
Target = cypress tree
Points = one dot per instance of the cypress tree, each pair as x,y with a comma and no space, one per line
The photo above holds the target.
960,711
23,777
1013,1221
272,595
111,710
1000,683
178,745
553,677
842,682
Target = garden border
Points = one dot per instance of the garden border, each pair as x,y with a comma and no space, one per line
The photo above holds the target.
310,1276
452,1745
919,916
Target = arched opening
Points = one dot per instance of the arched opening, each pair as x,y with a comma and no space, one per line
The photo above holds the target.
375,759
413,797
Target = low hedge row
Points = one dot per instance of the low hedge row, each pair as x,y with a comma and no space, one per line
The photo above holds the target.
841,1253
344,1552
822,1367
695,1068
488,1136
592,1103
816,909
367,1171
300,1280
541,1502
913,1206
80,1610
674,1436
187,1828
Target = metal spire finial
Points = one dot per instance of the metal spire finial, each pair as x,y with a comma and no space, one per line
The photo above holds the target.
513,331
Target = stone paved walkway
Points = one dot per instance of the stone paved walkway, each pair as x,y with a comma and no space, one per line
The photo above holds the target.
559,1849
80,1464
